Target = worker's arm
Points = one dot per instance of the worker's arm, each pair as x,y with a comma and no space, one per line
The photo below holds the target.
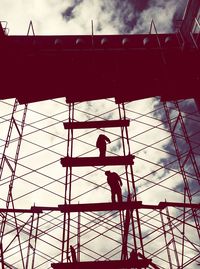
107,139
120,181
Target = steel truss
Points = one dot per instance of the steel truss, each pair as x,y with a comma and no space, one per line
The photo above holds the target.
76,209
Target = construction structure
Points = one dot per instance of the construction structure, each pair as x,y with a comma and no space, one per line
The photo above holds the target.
56,210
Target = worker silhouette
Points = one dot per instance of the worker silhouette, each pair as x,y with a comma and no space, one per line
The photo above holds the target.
73,254
133,255
102,140
115,183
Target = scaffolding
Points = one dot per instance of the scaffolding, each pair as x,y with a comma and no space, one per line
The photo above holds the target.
73,207
55,206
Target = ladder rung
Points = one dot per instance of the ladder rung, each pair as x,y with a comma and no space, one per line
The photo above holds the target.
97,161
99,206
96,124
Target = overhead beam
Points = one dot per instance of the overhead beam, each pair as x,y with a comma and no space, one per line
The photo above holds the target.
94,71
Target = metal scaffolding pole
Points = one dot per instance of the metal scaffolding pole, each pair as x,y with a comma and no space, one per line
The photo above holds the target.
178,131
18,126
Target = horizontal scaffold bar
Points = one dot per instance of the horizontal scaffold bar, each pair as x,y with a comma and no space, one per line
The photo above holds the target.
34,209
121,206
99,207
96,124
143,263
97,161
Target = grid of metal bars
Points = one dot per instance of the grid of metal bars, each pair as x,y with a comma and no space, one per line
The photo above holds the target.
167,235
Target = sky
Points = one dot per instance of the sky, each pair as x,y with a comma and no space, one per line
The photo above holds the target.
40,179
51,17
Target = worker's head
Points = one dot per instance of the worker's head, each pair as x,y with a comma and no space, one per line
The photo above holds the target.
107,173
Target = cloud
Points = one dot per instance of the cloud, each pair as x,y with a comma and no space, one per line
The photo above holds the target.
189,129
127,16
74,16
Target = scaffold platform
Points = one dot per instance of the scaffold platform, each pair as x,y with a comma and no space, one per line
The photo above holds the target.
117,264
99,206
130,205
96,124
97,161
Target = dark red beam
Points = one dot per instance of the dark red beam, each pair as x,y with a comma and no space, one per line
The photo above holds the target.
35,68
100,207
96,124
34,209
121,206
117,264
97,161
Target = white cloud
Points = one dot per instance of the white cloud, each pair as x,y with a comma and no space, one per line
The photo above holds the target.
110,17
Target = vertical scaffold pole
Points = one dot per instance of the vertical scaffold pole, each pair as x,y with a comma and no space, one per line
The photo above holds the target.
32,241
68,181
18,125
79,237
178,129
132,195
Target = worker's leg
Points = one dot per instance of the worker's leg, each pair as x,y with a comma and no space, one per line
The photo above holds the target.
113,196
102,151
119,195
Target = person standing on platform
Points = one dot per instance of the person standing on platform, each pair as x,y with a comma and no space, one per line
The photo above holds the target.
102,140
73,254
115,183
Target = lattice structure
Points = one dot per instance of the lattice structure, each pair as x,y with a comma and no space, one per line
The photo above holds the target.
36,232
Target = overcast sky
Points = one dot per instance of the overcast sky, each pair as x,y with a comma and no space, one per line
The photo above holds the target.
40,177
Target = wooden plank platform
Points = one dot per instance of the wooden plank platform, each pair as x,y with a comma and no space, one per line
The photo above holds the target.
99,206
117,264
97,161
121,206
96,124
